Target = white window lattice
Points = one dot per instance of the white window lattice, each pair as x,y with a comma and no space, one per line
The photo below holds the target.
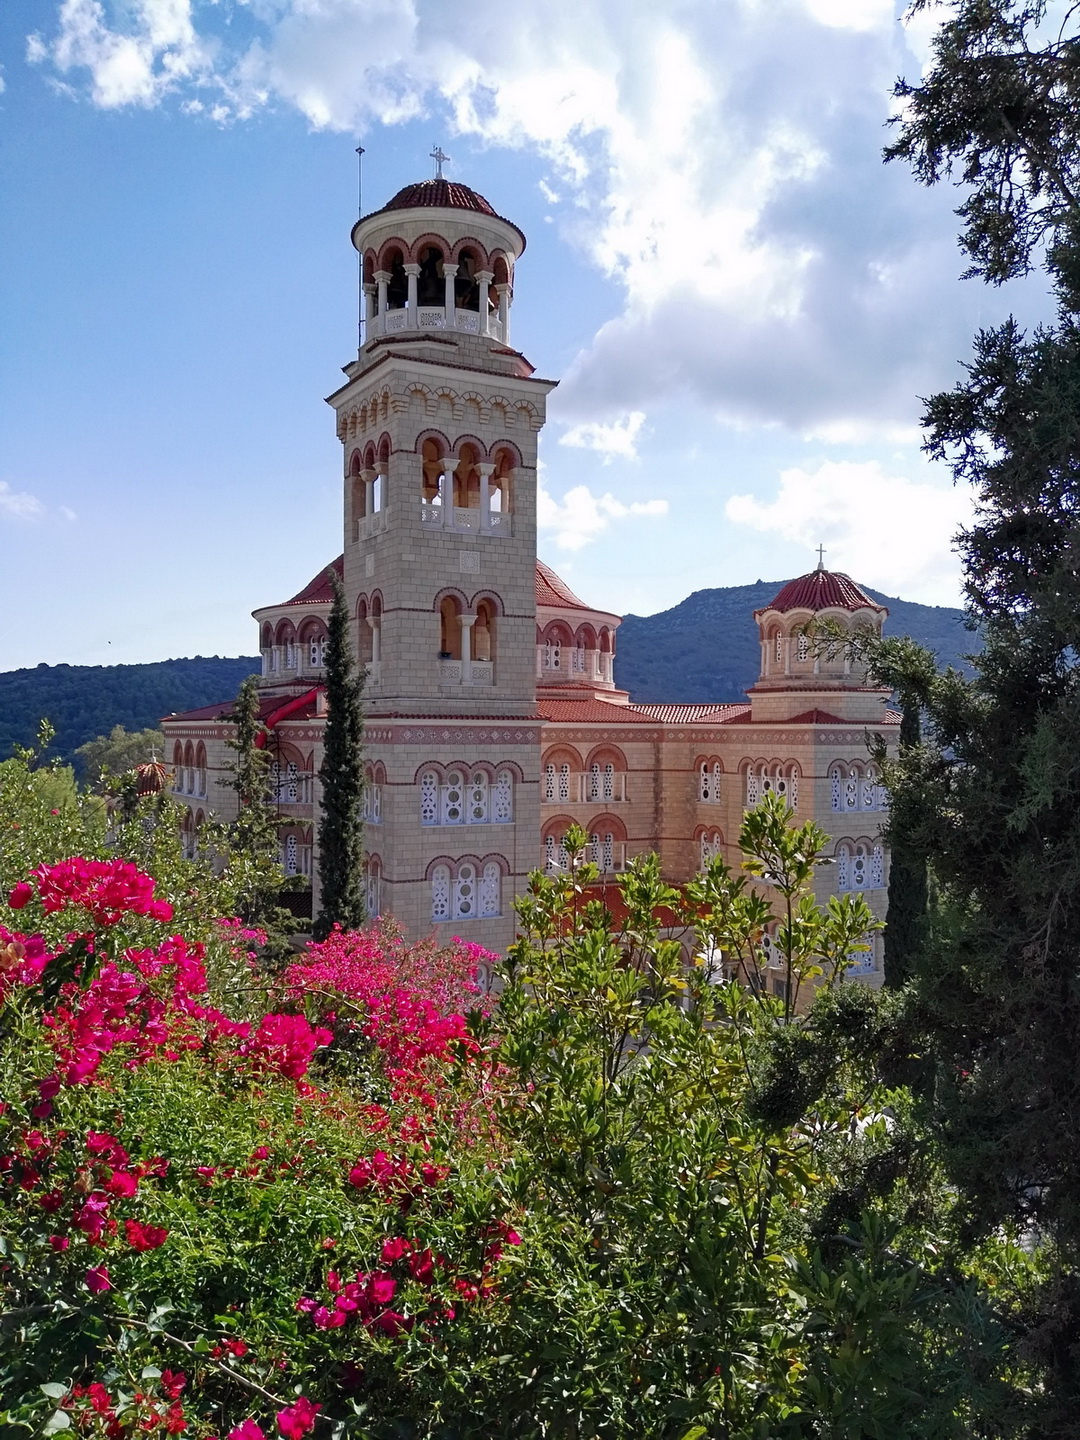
376,804
564,782
851,791
601,784
478,799
753,787
577,660
372,896
465,892
803,646
429,798
709,782
877,867
706,852
291,856
859,871
867,791
779,648
502,798
836,777
549,783
452,808
440,893
843,868
793,787
491,889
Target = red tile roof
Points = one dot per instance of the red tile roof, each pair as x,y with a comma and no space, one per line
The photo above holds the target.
591,712
317,591
816,717
441,195
269,705
701,714
822,590
551,590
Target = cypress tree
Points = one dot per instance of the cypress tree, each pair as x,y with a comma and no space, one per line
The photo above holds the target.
253,835
341,828
907,925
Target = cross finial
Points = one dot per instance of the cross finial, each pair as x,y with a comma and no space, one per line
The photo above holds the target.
440,159
821,557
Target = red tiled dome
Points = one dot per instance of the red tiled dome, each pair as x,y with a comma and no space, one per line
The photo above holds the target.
822,590
550,590
150,778
317,591
439,194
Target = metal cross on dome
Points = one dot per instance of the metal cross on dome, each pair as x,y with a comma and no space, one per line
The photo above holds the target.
821,557
440,159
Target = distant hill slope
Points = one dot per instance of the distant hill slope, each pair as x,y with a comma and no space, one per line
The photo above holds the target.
707,647
83,701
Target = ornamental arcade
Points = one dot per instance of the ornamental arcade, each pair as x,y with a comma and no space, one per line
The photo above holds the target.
493,716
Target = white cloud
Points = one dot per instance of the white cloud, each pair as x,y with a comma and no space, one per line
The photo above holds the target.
720,162
19,504
890,531
619,438
581,516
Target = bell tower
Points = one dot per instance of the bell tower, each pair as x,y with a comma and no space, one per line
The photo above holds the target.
439,419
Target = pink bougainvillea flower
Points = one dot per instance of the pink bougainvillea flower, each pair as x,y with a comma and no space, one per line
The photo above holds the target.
380,1288
297,1419
391,1323
20,895
144,1237
239,1348
246,1430
172,1382
122,1183
98,1280
394,1248
59,1242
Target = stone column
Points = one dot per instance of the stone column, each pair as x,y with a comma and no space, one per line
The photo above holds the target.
368,477
412,271
503,292
484,279
450,274
486,472
369,303
375,626
382,469
382,280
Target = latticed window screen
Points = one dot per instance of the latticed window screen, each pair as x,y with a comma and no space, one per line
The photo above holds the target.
793,787
376,804
803,650
549,782
859,872
372,896
778,649
564,782
440,893
491,890
836,794
851,791
291,856
877,867
452,809
465,892
753,786
706,852
843,868
478,798
867,791
549,853
502,798
429,798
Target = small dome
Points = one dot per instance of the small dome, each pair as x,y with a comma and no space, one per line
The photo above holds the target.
554,591
150,778
822,590
439,194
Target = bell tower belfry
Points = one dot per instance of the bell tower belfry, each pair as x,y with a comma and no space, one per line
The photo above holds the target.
439,420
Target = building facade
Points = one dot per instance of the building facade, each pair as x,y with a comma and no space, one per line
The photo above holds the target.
493,718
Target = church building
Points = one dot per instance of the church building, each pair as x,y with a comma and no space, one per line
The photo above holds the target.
493,720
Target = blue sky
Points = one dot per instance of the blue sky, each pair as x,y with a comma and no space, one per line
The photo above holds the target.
743,304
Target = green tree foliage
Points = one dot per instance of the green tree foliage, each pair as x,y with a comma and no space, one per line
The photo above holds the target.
251,840
631,1200
119,751
84,701
341,827
993,800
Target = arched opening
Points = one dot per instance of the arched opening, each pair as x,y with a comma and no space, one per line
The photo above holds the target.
397,288
466,286
363,633
501,271
433,464
499,484
313,645
449,628
285,639
189,769
178,768
431,282
357,490
605,775
467,479
200,769
483,635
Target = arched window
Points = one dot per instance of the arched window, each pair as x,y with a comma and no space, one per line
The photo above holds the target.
709,773
450,628
397,289
467,479
178,768
440,893
836,787
465,891
548,784
429,798
291,858
200,769
851,789
753,786
555,856
452,799
712,845
499,484
868,789
189,769
433,464
778,647
877,867
483,631
803,646
502,798
466,289
602,851
431,282
478,798
373,886
491,889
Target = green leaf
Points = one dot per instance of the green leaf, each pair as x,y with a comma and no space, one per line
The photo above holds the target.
54,1390
150,1372
694,1433
58,1420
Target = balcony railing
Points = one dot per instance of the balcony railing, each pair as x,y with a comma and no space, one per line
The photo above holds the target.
472,672
295,790
583,789
468,521
431,317
369,525
566,662
608,856
282,661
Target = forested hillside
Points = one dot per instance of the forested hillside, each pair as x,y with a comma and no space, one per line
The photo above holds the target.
83,701
707,648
